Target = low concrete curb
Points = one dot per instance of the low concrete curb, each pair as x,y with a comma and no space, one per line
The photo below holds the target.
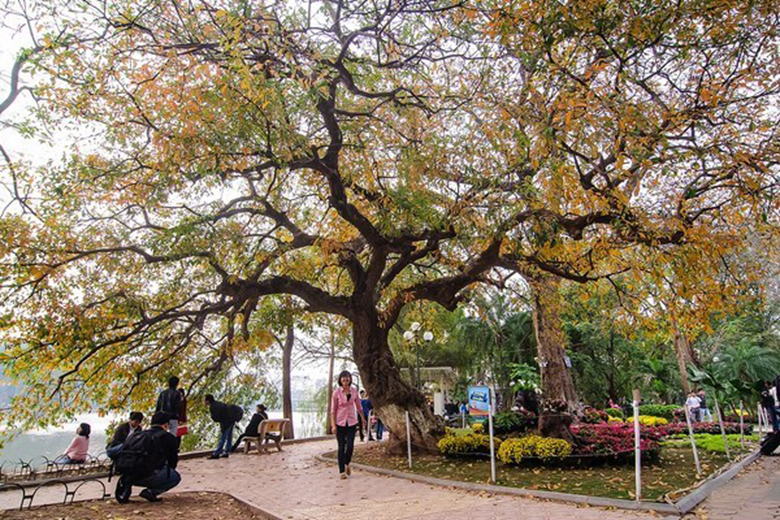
680,508
687,503
255,508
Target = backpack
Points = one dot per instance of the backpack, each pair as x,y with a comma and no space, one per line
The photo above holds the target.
140,455
235,412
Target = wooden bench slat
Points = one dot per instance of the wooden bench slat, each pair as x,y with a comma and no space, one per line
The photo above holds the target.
267,427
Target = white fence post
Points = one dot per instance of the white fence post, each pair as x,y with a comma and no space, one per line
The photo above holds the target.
693,441
741,428
492,443
722,427
409,438
637,454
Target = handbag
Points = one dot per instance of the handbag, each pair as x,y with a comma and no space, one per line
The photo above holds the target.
182,430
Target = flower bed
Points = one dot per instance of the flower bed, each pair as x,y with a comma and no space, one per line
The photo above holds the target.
591,415
616,440
469,444
705,427
514,451
644,420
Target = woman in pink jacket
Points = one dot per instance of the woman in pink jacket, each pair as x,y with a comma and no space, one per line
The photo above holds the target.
79,447
344,410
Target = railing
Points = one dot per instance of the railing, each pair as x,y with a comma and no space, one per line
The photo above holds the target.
45,468
70,490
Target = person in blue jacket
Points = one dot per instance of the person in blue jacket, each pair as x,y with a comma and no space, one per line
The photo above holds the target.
365,403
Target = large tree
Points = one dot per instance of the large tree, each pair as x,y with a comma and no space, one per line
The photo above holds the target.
361,156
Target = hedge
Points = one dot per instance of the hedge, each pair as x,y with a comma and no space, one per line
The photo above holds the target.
659,410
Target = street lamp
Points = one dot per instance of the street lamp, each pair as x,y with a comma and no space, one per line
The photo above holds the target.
411,336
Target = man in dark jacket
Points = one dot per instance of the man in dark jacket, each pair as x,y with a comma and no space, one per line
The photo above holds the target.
123,431
252,429
768,403
161,475
226,416
169,401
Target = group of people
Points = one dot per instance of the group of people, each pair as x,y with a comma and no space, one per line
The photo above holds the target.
148,457
227,416
143,457
697,406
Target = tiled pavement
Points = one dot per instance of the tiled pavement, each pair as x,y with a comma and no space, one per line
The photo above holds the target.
754,494
293,485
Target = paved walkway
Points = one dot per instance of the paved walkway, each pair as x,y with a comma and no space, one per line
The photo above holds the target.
754,494
293,485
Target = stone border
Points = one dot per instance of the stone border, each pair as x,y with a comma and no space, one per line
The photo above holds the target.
678,509
249,505
687,503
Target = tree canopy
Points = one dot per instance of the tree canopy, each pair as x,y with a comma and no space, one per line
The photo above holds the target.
361,156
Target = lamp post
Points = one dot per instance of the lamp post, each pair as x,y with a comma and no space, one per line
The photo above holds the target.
411,337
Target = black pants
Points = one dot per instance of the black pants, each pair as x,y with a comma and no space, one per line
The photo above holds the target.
345,435
241,438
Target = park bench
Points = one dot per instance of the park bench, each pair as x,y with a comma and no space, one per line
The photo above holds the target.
269,430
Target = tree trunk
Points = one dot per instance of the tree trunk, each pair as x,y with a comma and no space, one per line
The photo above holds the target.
330,383
685,356
289,432
559,398
391,396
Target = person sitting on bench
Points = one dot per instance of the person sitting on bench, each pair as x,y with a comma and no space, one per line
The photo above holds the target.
252,429
122,432
78,450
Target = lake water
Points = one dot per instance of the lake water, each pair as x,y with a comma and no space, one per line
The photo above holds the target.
32,446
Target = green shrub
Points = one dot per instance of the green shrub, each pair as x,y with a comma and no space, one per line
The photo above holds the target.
615,412
466,444
513,451
511,422
710,441
478,427
659,410
507,422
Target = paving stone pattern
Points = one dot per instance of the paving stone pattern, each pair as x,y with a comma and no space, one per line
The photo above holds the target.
293,485
754,494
